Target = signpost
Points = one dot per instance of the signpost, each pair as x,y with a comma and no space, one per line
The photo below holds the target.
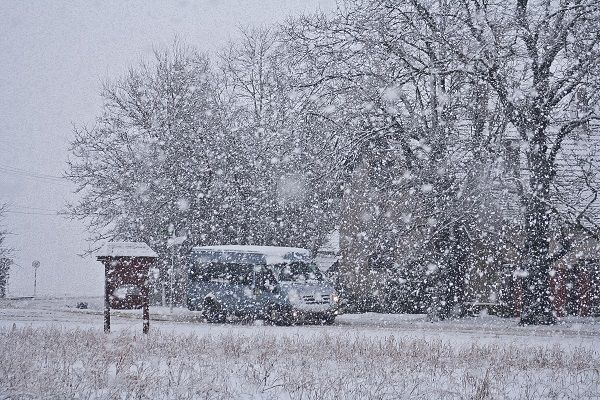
35,265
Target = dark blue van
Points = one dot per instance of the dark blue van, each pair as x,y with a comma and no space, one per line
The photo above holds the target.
279,284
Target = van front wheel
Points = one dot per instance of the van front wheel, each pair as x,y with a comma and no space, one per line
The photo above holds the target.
277,317
213,312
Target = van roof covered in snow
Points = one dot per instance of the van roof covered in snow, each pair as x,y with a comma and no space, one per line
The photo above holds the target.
272,254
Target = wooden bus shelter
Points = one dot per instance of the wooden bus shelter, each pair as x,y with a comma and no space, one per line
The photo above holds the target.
126,266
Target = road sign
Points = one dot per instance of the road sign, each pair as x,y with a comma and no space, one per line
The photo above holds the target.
35,266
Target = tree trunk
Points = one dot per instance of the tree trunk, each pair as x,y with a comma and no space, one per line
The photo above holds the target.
537,307
451,249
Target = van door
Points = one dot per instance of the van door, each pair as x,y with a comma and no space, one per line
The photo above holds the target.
240,297
264,291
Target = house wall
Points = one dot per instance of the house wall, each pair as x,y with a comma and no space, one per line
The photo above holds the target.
368,257
576,279
356,240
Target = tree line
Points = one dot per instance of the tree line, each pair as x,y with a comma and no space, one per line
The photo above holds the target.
447,106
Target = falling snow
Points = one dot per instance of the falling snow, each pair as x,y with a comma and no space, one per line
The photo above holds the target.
415,166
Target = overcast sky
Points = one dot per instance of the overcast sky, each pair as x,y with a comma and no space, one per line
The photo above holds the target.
54,56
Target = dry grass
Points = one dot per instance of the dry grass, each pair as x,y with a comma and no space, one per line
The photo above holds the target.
60,363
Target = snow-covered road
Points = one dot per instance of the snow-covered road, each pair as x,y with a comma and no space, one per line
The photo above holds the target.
61,312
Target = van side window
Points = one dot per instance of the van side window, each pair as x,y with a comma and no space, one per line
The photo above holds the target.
237,274
243,274
267,280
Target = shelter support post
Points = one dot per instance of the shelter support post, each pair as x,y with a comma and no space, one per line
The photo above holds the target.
145,309
106,299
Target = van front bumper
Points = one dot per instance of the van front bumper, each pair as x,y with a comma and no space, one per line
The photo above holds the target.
303,316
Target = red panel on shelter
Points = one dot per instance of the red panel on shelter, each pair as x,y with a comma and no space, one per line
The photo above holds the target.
127,279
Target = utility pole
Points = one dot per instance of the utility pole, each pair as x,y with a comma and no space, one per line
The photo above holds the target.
171,243
35,265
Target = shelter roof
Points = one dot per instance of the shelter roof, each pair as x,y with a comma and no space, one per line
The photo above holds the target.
126,249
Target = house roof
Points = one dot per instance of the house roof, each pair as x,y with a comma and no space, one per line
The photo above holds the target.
126,249
332,243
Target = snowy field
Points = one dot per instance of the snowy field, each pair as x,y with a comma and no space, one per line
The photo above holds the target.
50,349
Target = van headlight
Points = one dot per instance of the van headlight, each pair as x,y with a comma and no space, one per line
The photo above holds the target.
335,298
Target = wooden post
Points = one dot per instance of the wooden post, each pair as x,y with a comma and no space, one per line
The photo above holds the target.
145,307
584,292
560,293
106,297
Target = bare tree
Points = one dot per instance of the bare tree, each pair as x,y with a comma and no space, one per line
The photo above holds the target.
282,194
541,58
408,116
221,155
140,168
6,253
145,170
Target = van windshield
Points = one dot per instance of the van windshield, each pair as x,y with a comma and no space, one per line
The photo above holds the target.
297,271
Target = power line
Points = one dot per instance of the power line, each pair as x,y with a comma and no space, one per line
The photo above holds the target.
49,178
27,210
33,208
31,174
31,213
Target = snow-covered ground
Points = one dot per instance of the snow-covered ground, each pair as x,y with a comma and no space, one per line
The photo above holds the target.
49,348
